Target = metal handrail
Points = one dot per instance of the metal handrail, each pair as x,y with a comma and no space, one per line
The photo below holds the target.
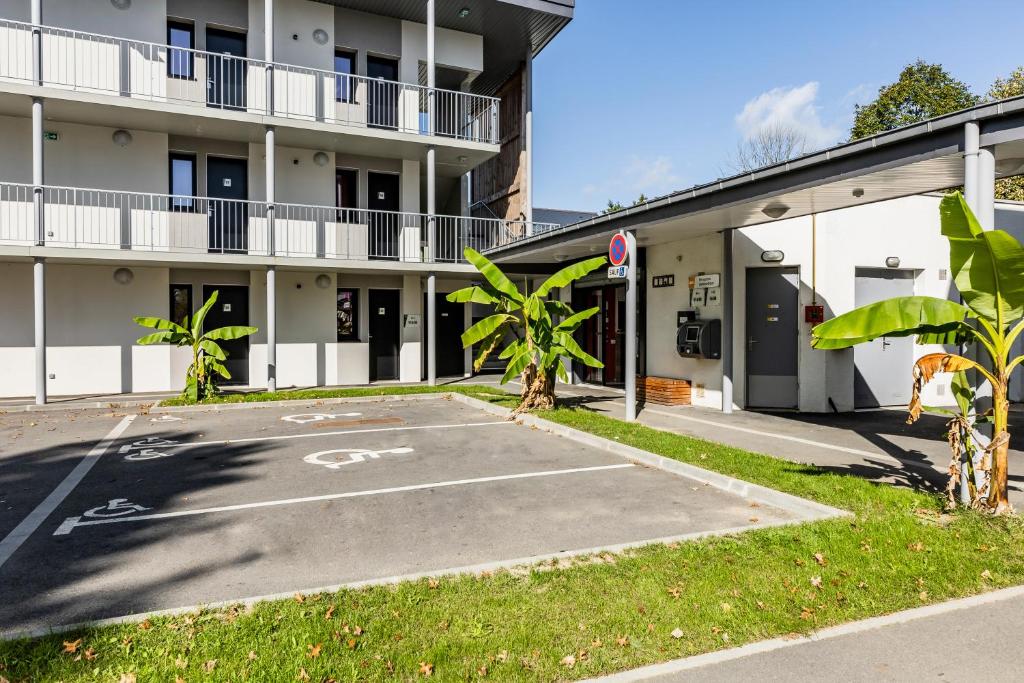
131,220
95,62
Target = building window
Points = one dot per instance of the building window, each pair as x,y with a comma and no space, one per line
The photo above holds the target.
183,181
181,303
348,314
344,68
181,40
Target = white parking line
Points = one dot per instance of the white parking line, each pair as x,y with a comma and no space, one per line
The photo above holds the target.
311,435
28,525
71,522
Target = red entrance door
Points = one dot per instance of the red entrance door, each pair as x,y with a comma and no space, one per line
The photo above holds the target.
610,318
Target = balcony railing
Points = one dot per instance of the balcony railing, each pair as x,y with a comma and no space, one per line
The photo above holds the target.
107,219
93,63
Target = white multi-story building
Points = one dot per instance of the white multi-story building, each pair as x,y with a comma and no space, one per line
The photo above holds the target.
321,164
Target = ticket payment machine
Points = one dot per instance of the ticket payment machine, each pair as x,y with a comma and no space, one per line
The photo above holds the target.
700,339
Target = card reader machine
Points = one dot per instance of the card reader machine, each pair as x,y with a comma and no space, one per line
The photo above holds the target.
700,339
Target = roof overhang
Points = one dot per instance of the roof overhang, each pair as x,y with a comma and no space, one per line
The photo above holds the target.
921,158
510,28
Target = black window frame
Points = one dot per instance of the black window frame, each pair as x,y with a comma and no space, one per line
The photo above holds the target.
170,300
341,85
176,204
354,298
173,63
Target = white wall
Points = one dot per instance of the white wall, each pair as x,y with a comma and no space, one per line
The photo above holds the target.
141,21
90,333
862,236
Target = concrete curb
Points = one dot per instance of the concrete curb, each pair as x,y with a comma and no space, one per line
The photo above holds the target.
676,666
302,401
807,509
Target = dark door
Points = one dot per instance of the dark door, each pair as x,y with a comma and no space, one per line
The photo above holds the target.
451,361
590,335
227,189
382,95
384,331
232,308
880,365
772,302
225,69
382,196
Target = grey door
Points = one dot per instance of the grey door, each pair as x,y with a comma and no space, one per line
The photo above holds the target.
226,69
227,189
232,308
772,337
385,305
382,200
881,375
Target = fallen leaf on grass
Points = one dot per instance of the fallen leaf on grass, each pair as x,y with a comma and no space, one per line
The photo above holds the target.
622,641
313,650
209,665
427,669
677,633
482,671
916,546
182,663
816,581
302,675
299,598
252,655
89,654
433,583
329,613
146,625
726,607
820,559
126,678
71,646
987,575
806,613
569,661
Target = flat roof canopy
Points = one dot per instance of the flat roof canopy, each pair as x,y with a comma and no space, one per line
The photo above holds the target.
920,158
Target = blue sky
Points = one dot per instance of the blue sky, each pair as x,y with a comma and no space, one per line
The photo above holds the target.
654,95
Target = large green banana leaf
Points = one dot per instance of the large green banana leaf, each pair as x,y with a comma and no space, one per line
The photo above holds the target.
570,273
493,275
987,265
899,317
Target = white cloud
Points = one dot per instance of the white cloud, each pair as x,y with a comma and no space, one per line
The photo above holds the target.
651,177
788,107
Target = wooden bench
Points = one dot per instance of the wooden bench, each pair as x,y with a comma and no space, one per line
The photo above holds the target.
663,391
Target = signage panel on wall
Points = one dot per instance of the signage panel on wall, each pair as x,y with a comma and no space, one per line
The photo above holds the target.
707,280
618,271
663,281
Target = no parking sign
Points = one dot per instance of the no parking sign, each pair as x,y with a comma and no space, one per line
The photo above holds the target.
617,249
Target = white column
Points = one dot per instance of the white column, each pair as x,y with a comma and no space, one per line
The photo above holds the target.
431,205
271,328
431,329
630,353
39,300
268,51
528,133
727,321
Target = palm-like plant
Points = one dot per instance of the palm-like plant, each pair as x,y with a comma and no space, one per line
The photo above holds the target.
207,355
541,340
988,268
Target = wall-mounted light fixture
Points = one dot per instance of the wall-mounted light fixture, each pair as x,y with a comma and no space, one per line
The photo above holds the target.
323,281
321,158
858,192
121,4
121,138
320,36
123,276
772,255
775,210
892,262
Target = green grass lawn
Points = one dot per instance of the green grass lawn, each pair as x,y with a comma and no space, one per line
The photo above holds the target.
357,392
590,616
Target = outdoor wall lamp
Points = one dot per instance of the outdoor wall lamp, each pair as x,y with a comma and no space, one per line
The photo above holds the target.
773,256
121,138
893,262
775,210
323,281
121,4
321,158
123,276
320,36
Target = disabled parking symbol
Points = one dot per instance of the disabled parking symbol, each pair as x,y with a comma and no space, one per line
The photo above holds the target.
355,455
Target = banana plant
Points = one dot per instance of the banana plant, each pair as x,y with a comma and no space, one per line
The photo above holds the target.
543,328
988,269
207,355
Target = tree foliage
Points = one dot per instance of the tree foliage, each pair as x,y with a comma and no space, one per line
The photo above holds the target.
615,205
543,328
988,269
772,144
207,355
921,92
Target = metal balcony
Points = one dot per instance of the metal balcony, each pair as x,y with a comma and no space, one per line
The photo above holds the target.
99,64
134,221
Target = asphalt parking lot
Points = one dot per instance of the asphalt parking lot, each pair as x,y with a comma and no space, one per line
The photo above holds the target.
188,508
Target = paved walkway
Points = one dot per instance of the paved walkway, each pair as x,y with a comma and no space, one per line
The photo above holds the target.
897,647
